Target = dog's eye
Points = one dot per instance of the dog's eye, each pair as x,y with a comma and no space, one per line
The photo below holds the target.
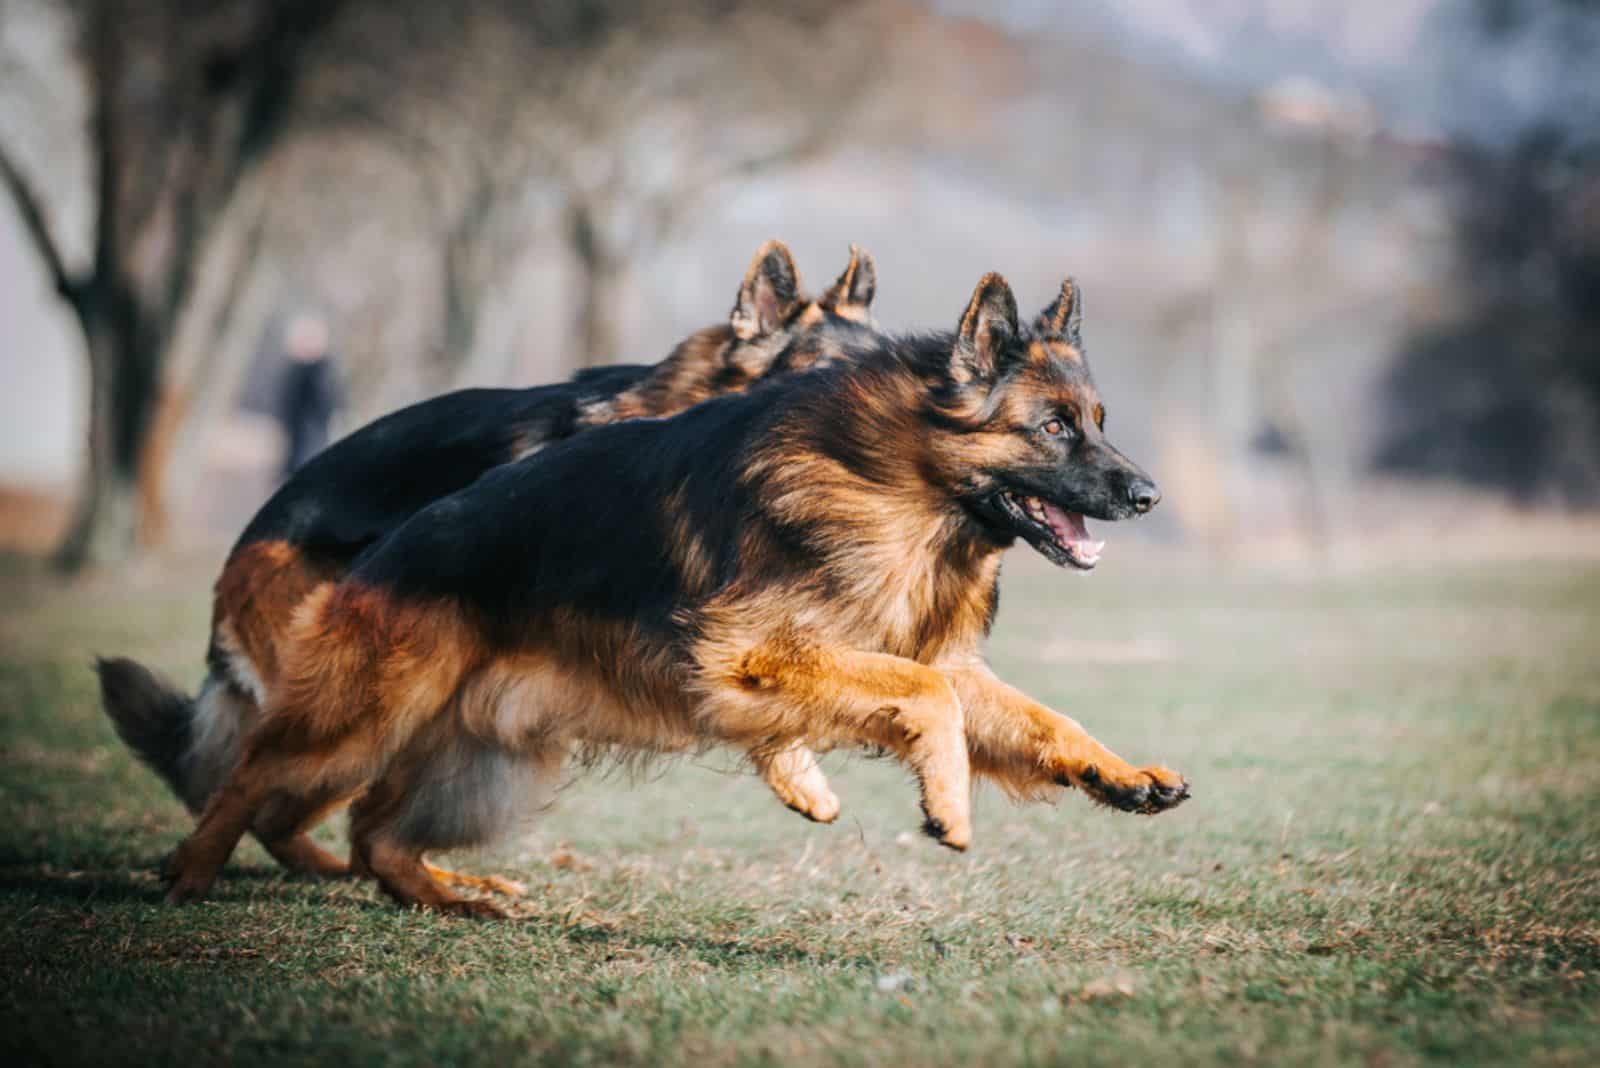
1055,428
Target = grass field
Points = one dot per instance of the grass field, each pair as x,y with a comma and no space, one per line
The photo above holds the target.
1392,857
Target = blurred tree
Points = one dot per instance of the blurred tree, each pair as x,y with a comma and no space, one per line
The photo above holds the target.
185,99
1504,391
608,122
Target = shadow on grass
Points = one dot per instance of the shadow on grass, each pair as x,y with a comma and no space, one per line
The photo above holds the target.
53,886
723,951
42,885
75,889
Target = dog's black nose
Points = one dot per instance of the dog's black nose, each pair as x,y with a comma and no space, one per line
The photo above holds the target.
1143,495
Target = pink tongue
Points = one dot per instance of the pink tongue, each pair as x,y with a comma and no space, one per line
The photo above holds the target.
1071,532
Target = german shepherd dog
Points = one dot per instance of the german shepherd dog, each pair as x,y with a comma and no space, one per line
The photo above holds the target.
367,485
814,561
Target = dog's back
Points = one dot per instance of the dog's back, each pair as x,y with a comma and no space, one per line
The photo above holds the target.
365,485
601,524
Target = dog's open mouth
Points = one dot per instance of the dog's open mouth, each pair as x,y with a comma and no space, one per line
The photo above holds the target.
1059,535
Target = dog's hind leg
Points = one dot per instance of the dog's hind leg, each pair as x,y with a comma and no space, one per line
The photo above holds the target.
407,879
362,675
226,712
797,689
297,765
485,884
191,868
298,853
446,792
397,865
278,790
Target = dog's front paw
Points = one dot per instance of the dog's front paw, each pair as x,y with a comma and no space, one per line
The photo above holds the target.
1168,789
1143,790
955,834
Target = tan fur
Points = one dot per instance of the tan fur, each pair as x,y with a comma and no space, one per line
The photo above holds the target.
793,774
850,297
1029,749
255,597
688,549
766,687
696,370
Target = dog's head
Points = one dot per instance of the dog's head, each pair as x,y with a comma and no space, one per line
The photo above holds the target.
1026,452
780,330
774,329
832,327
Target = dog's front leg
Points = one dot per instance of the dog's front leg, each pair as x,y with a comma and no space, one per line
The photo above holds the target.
793,774
1027,748
793,689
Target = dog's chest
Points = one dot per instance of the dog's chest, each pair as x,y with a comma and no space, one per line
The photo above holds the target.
923,609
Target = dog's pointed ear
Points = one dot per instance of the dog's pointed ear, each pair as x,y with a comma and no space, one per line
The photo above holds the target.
987,329
1064,317
768,294
851,296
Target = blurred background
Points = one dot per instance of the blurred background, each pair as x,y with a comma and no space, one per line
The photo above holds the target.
1341,260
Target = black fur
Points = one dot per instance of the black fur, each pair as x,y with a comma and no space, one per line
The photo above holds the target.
150,715
365,485
589,523
583,522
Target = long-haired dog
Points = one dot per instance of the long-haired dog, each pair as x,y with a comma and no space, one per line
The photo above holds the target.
812,562
367,485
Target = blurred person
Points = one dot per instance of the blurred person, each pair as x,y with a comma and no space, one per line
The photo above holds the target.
310,394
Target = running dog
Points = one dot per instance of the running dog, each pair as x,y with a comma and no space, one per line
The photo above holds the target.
812,563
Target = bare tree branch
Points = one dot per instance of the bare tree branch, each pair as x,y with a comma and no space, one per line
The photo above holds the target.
33,220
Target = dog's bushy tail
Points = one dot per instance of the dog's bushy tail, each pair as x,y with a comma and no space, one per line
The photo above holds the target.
155,719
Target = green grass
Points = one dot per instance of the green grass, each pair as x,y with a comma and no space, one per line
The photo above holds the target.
1392,857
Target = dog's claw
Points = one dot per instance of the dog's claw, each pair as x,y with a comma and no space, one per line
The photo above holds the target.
1158,791
1165,796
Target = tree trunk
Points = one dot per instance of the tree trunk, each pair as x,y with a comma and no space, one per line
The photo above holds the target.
602,273
463,307
123,385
